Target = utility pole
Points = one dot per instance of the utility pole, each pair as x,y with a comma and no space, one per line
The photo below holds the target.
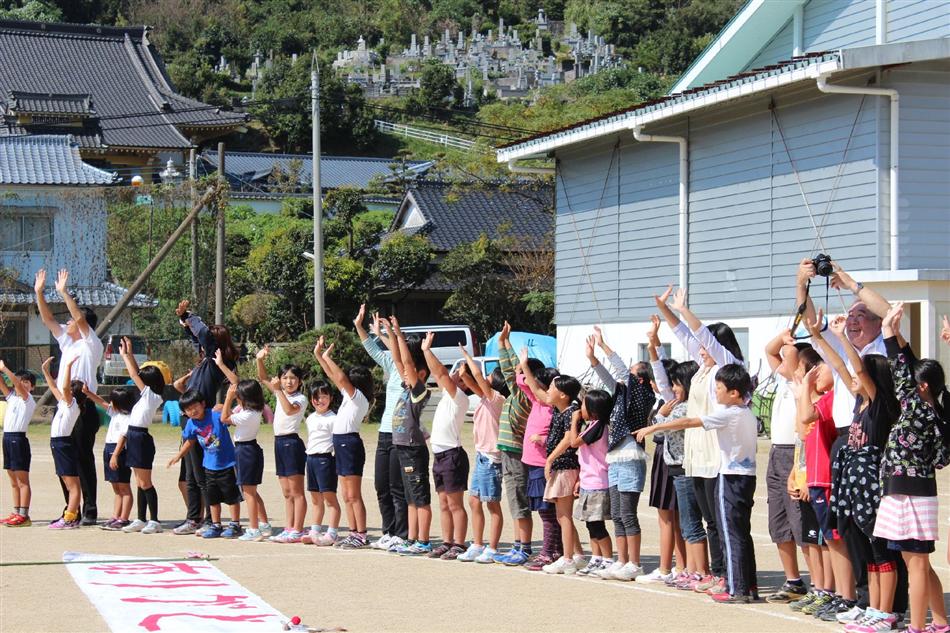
318,308
192,175
219,251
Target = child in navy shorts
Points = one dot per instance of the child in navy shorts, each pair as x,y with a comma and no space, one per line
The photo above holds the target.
248,453
65,456
16,446
115,468
206,429
321,466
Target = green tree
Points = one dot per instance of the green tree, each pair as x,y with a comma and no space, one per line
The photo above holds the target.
402,264
436,84
35,10
278,265
344,205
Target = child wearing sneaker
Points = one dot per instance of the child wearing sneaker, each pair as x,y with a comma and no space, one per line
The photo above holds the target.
115,469
736,435
205,428
449,460
321,467
593,502
16,445
65,457
486,480
356,392
290,456
248,454
409,438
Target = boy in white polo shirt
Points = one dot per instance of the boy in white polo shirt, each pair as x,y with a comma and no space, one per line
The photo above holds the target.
735,487
16,445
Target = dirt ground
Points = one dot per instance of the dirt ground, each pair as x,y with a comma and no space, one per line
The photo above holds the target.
370,590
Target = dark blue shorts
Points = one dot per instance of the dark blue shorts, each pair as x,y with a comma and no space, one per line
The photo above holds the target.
536,484
912,545
65,456
139,448
818,498
321,472
16,452
123,474
290,455
249,463
350,454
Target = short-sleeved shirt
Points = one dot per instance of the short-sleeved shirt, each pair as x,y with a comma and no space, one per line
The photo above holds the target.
19,412
447,421
64,419
88,352
246,423
843,410
352,412
560,425
214,438
870,426
592,457
407,418
144,410
818,443
784,414
320,432
118,425
486,424
289,424
737,433
538,423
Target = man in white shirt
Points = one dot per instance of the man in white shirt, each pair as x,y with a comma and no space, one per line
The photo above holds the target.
77,339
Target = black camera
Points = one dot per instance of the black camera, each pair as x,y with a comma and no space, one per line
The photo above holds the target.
823,265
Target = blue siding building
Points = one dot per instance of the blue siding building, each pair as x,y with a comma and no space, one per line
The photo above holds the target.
780,163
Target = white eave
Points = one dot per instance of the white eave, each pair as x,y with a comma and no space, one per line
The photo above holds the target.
770,78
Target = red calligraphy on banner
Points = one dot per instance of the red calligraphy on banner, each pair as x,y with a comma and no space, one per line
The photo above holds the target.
151,623
232,602
149,568
169,584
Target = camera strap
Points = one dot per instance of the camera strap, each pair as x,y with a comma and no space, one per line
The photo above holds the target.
800,313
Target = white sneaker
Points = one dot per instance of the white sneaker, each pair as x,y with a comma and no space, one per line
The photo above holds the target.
566,566
382,543
594,564
265,529
152,527
487,556
628,572
579,561
472,553
851,615
606,572
655,576
395,543
134,526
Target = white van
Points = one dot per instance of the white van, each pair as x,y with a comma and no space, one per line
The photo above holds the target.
445,346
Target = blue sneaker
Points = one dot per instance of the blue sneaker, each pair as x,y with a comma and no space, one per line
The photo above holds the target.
515,558
212,531
418,549
499,557
232,531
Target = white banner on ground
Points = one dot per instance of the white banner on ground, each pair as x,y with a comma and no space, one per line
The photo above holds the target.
169,596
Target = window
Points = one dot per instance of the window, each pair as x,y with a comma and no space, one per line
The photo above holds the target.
13,342
26,228
643,354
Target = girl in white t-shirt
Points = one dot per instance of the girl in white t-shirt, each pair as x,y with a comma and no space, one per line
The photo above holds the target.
115,468
356,391
321,466
248,454
65,457
289,452
16,445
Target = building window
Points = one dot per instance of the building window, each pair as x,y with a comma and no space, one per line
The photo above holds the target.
13,342
643,353
26,228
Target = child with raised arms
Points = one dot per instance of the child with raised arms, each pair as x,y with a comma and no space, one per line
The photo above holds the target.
16,445
70,398
115,469
248,454
486,479
321,467
290,455
356,397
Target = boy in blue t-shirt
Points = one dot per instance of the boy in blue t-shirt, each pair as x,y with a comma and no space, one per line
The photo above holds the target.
205,428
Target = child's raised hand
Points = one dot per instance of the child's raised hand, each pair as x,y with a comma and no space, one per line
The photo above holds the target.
589,348
464,353
318,348
395,324
787,338
427,341
814,327
3,366
523,356
811,376
945,332
505,331
654,328
125,346
39,282
232,390
360,316
892,320
274,383
328,351
218,357
62,280
263,352
598,336
374,324
47,363
663,298
837,325
182,307
679,300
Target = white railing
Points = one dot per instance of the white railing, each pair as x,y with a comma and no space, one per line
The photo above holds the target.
424,135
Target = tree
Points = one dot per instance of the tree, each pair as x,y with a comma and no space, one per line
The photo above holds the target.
402,264
252,311
436,84
278,265
34,10
345,204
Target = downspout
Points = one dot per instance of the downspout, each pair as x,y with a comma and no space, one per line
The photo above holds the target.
880,22
894,151
798,31
517,169
684,195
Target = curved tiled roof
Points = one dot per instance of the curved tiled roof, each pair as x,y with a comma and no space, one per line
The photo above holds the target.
47,160
121,71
